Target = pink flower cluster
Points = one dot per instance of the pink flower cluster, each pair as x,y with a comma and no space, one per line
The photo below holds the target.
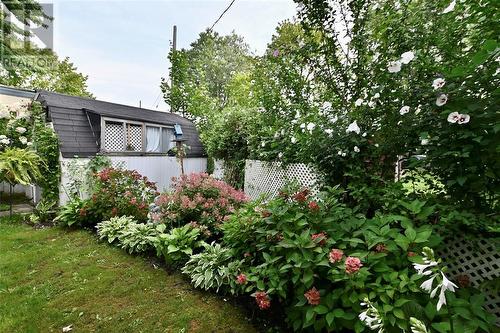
319,238
241,279
198,196
335,255
312,296
262,300
352,265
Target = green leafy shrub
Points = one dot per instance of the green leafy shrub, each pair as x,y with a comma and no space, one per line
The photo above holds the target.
212,268
321,260
118,192
73,214
177,245
113,228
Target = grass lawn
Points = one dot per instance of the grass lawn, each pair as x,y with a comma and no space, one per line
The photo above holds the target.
51,278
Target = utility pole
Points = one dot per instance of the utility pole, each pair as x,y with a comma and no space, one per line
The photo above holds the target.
174,48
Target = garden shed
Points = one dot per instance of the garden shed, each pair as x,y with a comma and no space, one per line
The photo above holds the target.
134,138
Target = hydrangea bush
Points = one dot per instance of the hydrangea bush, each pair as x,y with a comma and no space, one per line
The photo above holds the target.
325,263
115,192
200,198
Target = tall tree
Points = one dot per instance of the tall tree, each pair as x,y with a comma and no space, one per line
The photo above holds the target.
201,75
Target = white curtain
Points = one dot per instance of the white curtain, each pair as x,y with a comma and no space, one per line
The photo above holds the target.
152,139
168,136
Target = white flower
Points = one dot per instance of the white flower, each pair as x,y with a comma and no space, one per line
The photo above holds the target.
333,119
441,100
283,131
358,102
364,134
344,154
371,104
394,66
421,268
464,119
450,7
29,144
427,285
453,117
445,285
23,140
438,83
280,155
5,141
424,142
376,145
329,131
20,130
276,135
263,144
404,110
297,115
356,149
302,125
293,139
407,57
377,95
311,127
3,137
339,153
353,127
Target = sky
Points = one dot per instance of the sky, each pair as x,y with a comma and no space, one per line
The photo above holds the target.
123,45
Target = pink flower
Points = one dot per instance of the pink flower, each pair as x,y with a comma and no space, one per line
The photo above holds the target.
352,265
313,296
262,300
313,205
321,236
241,279
335,255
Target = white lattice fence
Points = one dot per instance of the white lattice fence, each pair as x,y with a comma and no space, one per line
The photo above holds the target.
479,261
269,177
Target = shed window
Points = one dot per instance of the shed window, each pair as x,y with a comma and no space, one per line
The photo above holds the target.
122,136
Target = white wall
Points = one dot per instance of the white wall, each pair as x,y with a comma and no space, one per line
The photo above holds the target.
159,169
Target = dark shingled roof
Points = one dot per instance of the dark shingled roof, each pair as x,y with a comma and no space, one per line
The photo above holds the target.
72,118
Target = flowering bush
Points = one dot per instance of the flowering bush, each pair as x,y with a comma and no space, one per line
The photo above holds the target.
201,198
325,265
118,192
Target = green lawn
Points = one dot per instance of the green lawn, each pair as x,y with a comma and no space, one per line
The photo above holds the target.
51,278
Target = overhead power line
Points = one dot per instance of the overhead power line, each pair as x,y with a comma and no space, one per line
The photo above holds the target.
224,12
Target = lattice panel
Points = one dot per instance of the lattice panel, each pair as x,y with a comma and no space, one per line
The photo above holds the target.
134,137
269,177
478,259
113,137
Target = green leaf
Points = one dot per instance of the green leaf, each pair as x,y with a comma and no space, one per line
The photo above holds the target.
442,327
329,318
320,309
309,314
411,234
398,313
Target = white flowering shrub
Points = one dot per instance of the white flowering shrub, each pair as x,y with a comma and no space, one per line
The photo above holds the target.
356,85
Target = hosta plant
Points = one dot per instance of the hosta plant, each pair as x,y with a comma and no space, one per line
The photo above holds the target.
137,237
113,228
177,245
212,268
